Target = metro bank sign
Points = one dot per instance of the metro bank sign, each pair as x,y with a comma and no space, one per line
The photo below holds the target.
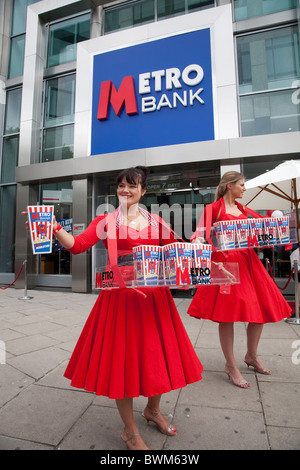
153,94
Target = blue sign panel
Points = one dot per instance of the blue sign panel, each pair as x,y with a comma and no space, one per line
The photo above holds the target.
153,94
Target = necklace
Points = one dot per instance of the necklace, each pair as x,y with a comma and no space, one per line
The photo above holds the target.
132,221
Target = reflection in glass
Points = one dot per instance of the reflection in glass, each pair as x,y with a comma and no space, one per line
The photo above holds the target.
244,9
19,15
13,111
7,228
269,113
9,159
60,195
60,101
16,62
268,60
129,15
63,38
58,143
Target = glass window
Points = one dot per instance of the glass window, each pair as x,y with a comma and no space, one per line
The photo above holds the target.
167,8
58,143
58,133
129,15
269,113
64,36
11,135
17,44
59,195
13,111
268,60
16,62
9,159
244,9
199,4
19,16
149,10
60,100
7,228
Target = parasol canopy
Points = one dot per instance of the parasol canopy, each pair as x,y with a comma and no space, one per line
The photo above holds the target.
282,182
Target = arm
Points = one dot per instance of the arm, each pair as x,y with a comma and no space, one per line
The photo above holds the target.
94,232
211,214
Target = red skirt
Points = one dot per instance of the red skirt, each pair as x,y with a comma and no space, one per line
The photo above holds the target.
133,343
256,299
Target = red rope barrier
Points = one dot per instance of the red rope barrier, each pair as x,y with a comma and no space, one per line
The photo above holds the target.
15,279
288,281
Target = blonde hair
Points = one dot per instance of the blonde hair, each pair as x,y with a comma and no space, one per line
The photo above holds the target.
229,177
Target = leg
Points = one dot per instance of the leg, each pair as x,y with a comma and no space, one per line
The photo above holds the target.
254,331
152,413
130,435
226,334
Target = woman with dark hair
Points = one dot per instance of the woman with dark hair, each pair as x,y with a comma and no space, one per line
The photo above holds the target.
255,300
133,342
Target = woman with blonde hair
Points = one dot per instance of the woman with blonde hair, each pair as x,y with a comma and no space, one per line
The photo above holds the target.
255,300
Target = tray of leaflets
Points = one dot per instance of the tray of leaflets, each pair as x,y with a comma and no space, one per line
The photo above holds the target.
251,233
177,265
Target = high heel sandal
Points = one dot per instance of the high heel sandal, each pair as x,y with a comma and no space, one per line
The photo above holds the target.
239,383
130,436
170,431
256,365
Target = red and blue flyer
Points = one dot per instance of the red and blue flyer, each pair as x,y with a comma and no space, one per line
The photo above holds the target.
178,262
242,233
201,263
147,264
41,225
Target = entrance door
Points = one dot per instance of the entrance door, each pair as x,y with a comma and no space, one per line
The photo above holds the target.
54,269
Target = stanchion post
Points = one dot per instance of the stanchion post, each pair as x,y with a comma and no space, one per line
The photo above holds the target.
25,296
295,320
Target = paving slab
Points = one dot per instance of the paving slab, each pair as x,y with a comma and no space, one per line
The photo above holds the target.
39,410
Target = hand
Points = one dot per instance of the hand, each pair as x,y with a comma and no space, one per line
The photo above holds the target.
54,222
27,222
227,274
199,241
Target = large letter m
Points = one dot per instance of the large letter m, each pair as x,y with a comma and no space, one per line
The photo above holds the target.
125,95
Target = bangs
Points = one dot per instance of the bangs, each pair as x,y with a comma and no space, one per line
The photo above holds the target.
131,175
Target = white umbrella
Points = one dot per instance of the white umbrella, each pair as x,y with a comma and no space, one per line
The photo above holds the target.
281,182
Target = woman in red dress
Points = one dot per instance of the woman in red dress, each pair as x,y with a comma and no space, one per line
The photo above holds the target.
255,300
133,342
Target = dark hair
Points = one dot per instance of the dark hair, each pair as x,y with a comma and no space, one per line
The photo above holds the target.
136,175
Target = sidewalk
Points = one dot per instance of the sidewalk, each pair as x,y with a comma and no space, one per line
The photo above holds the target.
40,411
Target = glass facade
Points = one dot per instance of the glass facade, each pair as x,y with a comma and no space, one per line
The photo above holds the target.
145,11
268,69
245,9
64,36
7,228
9,162
58,132
60,195
18,28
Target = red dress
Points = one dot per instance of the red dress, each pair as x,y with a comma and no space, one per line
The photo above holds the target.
256,299
134,342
